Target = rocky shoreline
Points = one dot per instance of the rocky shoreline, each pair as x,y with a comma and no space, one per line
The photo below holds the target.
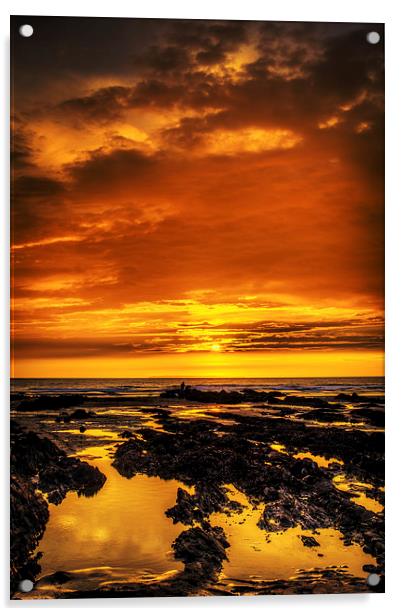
256,453
294,492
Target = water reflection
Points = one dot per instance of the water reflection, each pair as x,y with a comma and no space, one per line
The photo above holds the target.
255,554
358,491
121,532
94,432
320,460
278,447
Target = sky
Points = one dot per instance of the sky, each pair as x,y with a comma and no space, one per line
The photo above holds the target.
196,198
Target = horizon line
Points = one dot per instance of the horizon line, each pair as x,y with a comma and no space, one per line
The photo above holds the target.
75,378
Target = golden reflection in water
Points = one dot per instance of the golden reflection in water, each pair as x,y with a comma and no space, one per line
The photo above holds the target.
320,460
357,488
94,432
121,531
122,534
252,557
278,447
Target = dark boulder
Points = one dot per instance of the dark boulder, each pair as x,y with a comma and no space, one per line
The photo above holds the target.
50,403
126,434
203,551
341,397
185,510
82,414
309,542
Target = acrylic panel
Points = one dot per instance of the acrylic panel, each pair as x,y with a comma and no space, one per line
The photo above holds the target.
197,396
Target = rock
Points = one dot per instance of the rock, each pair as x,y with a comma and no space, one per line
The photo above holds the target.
202,550
186,510
341,397
309,542
126,434
63,418
78,414
38,464
220,397
375,417
14,396
45,402
207,499
29,514
82,414
325,416
246,395
316,403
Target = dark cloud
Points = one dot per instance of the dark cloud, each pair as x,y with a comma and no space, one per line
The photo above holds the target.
102,106
334,59
54,348
22,152
33,187
164,59
102,167
109,104
67,47
250,337
129,220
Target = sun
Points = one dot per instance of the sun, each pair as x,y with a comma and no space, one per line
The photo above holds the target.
216,347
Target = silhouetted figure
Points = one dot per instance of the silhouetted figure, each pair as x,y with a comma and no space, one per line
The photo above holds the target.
182,389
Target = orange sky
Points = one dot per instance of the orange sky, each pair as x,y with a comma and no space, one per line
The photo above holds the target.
197,199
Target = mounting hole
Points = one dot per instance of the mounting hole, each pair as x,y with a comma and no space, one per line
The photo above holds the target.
25,585
373,579
26,30
373,37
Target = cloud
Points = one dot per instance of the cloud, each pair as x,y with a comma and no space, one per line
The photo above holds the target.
357,334
204,162
33,187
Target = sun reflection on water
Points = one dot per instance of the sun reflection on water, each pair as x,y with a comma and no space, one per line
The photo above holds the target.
255,554
123,527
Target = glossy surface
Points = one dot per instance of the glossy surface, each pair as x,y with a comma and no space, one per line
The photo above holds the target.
122,528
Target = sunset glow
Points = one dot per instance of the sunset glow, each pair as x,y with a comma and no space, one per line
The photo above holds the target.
200,204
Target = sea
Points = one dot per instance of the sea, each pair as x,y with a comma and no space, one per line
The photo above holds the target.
152,387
